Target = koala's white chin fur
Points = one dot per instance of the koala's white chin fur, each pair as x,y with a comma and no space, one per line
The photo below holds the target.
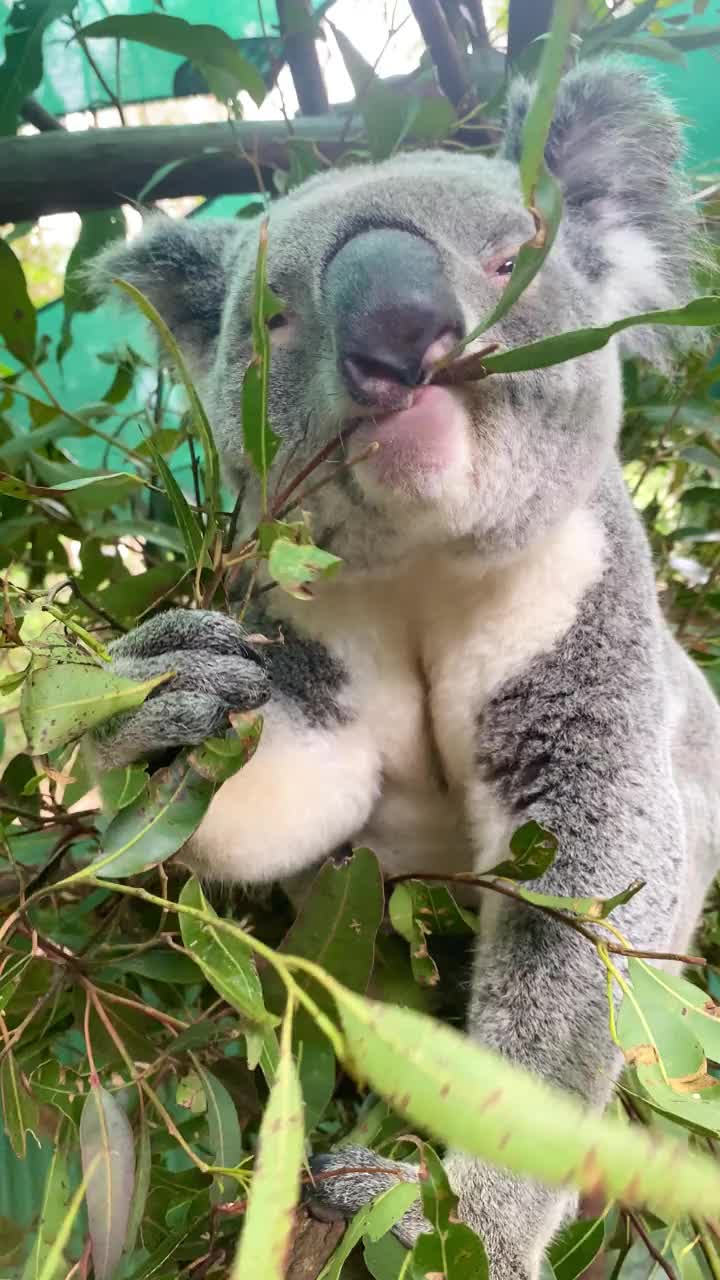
425,459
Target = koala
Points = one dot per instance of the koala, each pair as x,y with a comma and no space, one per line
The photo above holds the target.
492,650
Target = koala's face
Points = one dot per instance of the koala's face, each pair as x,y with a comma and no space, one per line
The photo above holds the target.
382,269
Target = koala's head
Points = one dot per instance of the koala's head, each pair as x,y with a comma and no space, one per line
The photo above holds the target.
383,268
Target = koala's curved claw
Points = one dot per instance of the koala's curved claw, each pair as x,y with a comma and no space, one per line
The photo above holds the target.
334,1193
215,671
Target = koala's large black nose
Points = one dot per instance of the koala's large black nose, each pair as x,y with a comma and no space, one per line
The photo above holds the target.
390,303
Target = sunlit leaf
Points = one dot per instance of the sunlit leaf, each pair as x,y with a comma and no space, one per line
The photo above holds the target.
477,1101
218,759
295,566
266,1236
533,850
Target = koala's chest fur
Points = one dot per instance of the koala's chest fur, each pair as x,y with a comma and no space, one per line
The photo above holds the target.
425,646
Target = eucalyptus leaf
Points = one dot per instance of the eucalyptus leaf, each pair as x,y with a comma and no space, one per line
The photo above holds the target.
224,1128
226,962
65,698
479,1102
208,47
155,825
108,1157
265,1240
18,322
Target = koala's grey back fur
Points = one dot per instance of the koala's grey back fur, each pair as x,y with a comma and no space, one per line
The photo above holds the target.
492,651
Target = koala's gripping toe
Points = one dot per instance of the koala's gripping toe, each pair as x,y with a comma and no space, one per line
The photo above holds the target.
346,1179
215,671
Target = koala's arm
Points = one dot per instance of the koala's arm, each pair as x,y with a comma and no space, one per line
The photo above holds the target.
576,743
313,780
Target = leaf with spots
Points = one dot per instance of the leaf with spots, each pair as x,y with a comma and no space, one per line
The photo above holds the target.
533,850
295,566
266,1237
451,1250
418,910
18,321
68,695
469,1097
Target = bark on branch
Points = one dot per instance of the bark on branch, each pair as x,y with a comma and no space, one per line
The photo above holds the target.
57,172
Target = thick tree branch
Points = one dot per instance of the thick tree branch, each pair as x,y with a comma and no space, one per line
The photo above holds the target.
301,54
527,19
444,51
101,168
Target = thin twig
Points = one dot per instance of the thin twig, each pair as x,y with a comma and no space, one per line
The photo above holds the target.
94,66
655,1254
503,888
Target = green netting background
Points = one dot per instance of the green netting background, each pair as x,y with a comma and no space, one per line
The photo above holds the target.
146,74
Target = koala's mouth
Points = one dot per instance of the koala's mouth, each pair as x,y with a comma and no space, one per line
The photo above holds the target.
422,438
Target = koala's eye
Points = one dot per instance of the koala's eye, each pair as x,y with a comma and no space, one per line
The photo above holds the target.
278,321
505,268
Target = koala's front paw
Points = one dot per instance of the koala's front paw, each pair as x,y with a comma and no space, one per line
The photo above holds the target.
350,1177
216,671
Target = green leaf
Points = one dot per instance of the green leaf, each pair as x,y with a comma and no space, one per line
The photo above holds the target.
55,1201
18,321
265,1241
159,965
224,1129
473,1099
108,1160
539,117
155,825
20,1112
372,1221
141,1188
528,261
533,850
107,487
260,441
96,231
576,1247
209,48
618,28
227,962
120,787
293,566
384,1258
692,38
13,679
64,699
451,1249
592,908
579,342
21,72
218,759
198,415
388,115
404,918
337,924
187,521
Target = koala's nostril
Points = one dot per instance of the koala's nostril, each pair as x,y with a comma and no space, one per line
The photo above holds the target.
394,312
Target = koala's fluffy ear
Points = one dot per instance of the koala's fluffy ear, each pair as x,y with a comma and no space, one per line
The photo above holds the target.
183,268
614,145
